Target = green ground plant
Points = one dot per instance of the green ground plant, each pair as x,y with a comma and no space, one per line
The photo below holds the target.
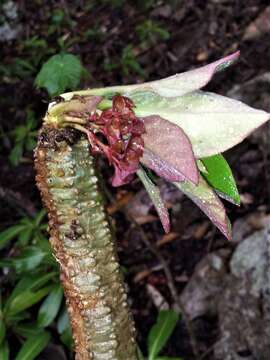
160,333
130,63
150,32
61,72
24,137
35,306
36,301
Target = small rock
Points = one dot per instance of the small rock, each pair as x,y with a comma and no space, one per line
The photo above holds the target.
10,29
252,257
259,27
244,307
164,11
202,292
254,92
158,299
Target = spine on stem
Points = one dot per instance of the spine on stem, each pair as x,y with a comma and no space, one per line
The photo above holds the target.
83,245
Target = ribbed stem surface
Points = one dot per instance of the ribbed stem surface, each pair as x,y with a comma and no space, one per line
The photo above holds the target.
83,245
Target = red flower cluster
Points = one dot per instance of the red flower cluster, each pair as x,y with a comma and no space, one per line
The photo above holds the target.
123,133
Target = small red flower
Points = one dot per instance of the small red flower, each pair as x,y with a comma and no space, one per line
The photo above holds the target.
117,133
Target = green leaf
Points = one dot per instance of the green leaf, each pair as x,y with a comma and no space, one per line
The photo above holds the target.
33,346
25,236
26,329
207,200
154,193
161,331
172,86
14,319
168,358
129,62
4,351
50,307
30,143
29,260
150,31
9,234
2,323
64,329
63,322
44,245
31,282
16,154
60,72
2,328
24,300
39,217
220,177
20,133
67,339
139,354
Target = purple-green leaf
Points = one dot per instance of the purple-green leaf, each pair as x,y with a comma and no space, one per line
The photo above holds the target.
154,194
168,150
220,177
183,83
206,199
212,122
175,85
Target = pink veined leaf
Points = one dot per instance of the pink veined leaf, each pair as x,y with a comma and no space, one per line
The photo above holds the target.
154,193
183,83
168,151
213,123
175,85
206,199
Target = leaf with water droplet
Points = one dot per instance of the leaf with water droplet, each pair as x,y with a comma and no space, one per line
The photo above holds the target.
175,85
212,122
154,193
206,199
168,151
183,83
220,177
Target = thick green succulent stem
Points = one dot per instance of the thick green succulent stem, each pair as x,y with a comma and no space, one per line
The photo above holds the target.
84,247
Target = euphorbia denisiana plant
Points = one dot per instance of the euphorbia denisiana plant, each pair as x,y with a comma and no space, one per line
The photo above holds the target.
167,128
172,128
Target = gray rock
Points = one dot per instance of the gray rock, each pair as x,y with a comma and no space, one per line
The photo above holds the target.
254,92
244,308
11,28
252,258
